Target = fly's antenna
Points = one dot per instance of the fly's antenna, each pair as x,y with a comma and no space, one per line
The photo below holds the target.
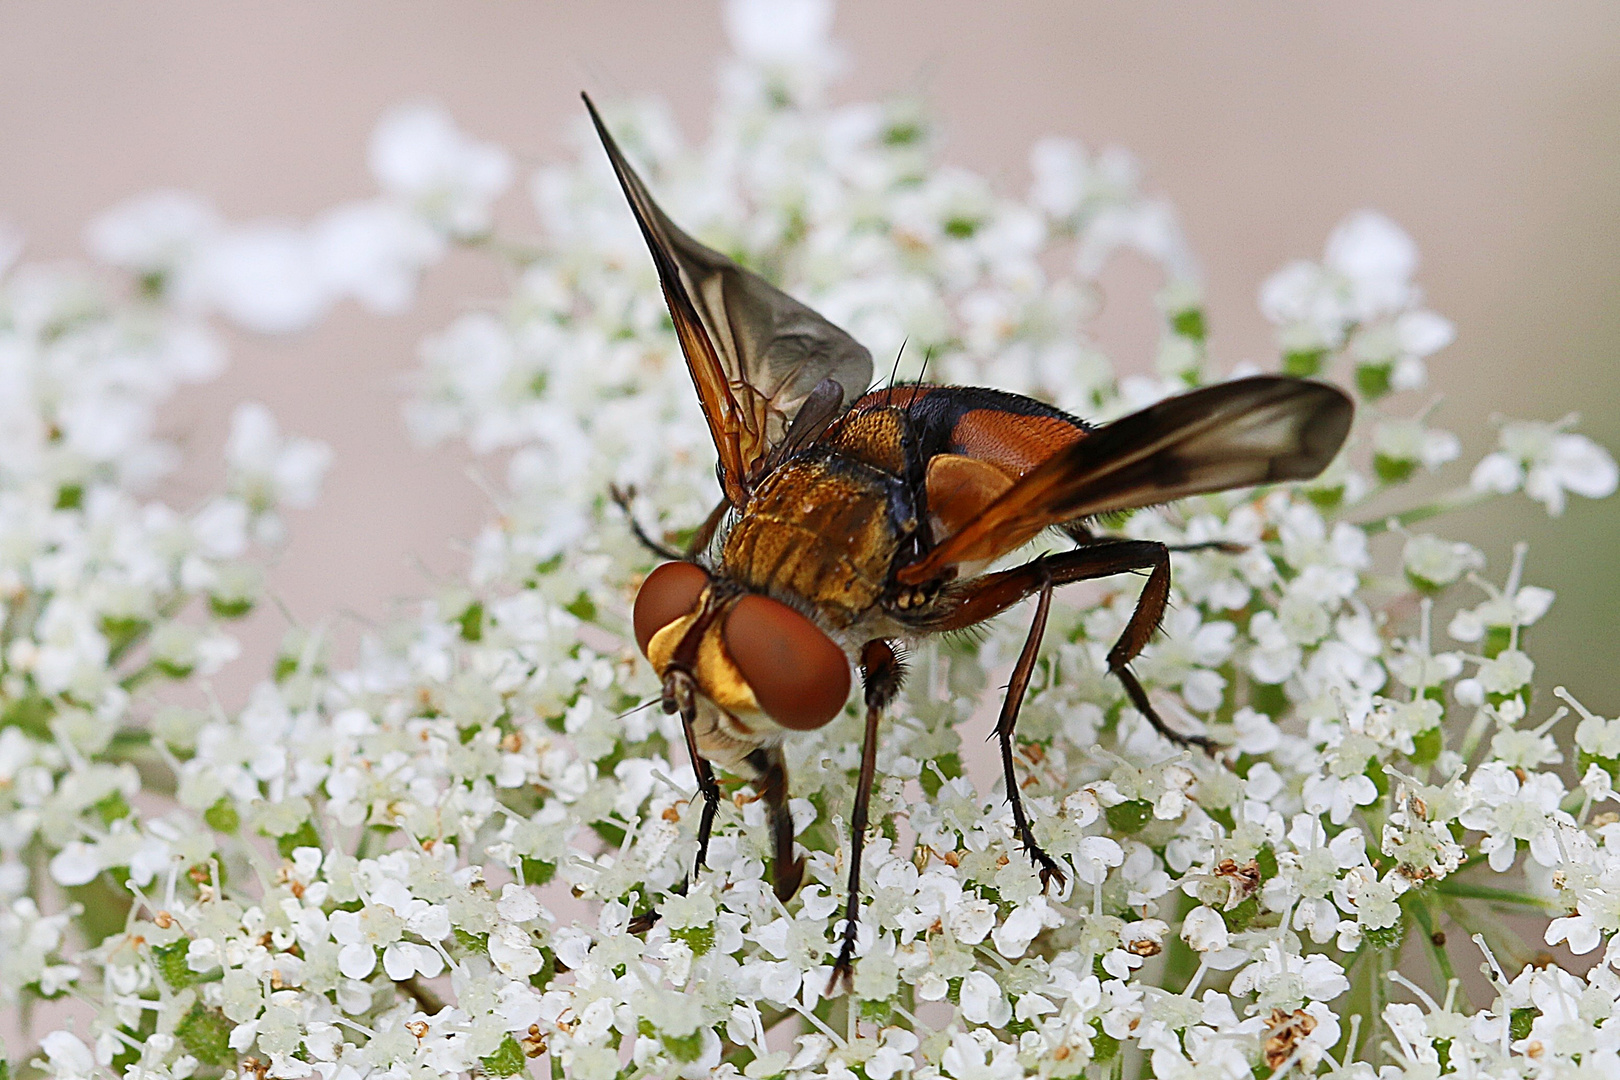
637,708
916,387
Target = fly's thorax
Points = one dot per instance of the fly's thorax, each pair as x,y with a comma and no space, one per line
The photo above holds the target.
820,530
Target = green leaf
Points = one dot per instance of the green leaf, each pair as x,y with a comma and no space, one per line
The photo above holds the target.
206,1034
684,1047
1130,816
170,961
1238,918
113,807
1375,772
31,713
581,607
1610,765
70,496
548,971
303,836
223,816
1519,1021
472,622
903,133
507,1060
230,607
473,943
1325,498
1103,1045
1373,380
1497,640
1426,746
537,871
1189,324
1303,363
1393,470
122,632
609,832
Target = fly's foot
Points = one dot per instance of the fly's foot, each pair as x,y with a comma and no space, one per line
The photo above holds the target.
843,972
1139,700
1049,868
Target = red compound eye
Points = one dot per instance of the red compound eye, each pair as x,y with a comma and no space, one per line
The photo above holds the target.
670,591
799,675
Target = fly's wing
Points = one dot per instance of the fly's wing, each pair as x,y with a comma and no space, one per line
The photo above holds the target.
1236,434
755,353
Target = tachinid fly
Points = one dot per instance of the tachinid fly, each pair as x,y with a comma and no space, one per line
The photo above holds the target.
853,521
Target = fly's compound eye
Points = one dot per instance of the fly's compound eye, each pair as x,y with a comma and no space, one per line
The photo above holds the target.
670,591
799,676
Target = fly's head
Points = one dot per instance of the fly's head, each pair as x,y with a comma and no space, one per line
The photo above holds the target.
747,654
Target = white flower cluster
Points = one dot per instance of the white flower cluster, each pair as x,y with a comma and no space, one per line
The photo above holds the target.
431,864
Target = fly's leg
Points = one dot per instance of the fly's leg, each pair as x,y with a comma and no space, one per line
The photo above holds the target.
705,533
881,674
1083,536
695,547
621,497
994,593
772,769
1138,632
1008,723
710,790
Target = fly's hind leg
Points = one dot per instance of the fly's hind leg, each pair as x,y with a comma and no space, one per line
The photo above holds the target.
995,593
1007,724
772,769
881,674
1082,536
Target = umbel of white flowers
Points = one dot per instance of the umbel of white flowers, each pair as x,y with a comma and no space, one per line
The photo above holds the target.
426,864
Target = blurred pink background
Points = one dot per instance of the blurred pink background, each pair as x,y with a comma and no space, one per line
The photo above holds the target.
1490,131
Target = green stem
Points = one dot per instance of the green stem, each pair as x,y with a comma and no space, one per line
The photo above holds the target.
1452,887
1511,950
1179,959
1428,921
1455,499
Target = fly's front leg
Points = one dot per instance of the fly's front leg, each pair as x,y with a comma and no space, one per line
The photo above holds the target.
622,498
709,789
881,674
1007,724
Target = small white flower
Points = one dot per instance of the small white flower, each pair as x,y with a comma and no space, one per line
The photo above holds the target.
1204,930
1547,461
418,154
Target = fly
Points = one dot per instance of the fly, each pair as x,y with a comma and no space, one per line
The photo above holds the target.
853,521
